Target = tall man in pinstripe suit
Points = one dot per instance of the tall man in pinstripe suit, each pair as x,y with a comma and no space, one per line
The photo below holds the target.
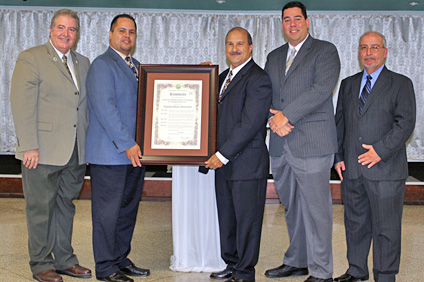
302,144
49,109
375,117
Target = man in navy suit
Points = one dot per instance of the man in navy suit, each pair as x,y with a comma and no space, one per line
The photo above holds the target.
242,160
116,172
375,117
304,73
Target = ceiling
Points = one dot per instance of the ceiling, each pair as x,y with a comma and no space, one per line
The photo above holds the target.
237,5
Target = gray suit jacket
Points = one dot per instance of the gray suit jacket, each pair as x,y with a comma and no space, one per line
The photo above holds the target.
48,110
386,122
305,97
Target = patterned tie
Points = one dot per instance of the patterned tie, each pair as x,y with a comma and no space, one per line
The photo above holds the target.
364,94
290,59
132,66
65,62
226,84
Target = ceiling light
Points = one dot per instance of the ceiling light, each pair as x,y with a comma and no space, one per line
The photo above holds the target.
220,1
414,3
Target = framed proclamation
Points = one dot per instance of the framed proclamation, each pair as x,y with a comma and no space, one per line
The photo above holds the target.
177,113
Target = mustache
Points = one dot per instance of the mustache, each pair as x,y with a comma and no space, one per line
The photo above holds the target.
370,57
235,53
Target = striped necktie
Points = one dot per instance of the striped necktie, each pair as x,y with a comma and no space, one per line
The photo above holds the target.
65,62
364,94
290,60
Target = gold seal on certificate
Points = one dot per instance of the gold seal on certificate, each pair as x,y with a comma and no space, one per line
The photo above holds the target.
177,113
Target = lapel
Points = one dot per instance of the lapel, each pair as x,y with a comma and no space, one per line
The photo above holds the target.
76,67
57,61
355,86
299,57
122,64
377,89
282,60
237,78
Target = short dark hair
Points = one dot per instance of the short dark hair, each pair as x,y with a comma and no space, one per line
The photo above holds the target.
249,37
295,4
115,19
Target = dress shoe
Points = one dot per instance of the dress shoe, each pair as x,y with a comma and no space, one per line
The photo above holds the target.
314,279
48,276
226,273
235,279
132,270
77,271
286,270
349,278
116,277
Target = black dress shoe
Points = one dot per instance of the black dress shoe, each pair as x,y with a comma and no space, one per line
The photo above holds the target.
132,270
286,270
314,279
226,273
349,278
235,279
116,277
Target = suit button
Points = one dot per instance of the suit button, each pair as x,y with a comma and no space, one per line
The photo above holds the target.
77,109
75,125
76,93
282,100
360,138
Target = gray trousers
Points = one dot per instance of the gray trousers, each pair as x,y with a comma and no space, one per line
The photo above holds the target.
49,192
304,190
373,212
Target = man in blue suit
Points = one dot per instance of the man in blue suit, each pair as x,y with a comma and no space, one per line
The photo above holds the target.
116,172
242,160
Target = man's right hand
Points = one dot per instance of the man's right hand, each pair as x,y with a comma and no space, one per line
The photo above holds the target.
134,154
30,158
339,167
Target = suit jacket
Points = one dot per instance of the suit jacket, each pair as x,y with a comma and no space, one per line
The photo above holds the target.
242,115
48,110
386,122
112,100
305,97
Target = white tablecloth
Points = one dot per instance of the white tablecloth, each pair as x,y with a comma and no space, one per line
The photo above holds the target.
194,221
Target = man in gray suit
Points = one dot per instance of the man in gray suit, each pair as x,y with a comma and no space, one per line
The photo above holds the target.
304,73
375,117
49,108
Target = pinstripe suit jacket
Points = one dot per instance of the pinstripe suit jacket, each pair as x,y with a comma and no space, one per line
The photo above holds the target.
48,110
386,122
305,97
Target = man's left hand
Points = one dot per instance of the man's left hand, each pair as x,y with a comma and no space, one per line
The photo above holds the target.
134,154
213,162
369,158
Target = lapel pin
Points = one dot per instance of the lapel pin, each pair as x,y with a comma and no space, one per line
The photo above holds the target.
54,59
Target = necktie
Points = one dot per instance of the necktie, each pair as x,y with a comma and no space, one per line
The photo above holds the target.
364,94
226,84
132,66
65,62
290,59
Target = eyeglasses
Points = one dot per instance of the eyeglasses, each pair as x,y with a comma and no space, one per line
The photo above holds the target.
373,49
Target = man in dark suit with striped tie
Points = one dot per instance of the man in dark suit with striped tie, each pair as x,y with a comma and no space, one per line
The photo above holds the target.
375,117
242,160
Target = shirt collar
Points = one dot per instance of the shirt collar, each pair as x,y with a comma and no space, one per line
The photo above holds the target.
60,54
374,75
298,46
237,69
123,56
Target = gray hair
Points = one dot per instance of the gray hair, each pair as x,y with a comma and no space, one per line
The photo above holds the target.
65,12
375,32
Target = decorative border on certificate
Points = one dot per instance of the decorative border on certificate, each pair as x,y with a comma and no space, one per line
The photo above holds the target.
177,113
